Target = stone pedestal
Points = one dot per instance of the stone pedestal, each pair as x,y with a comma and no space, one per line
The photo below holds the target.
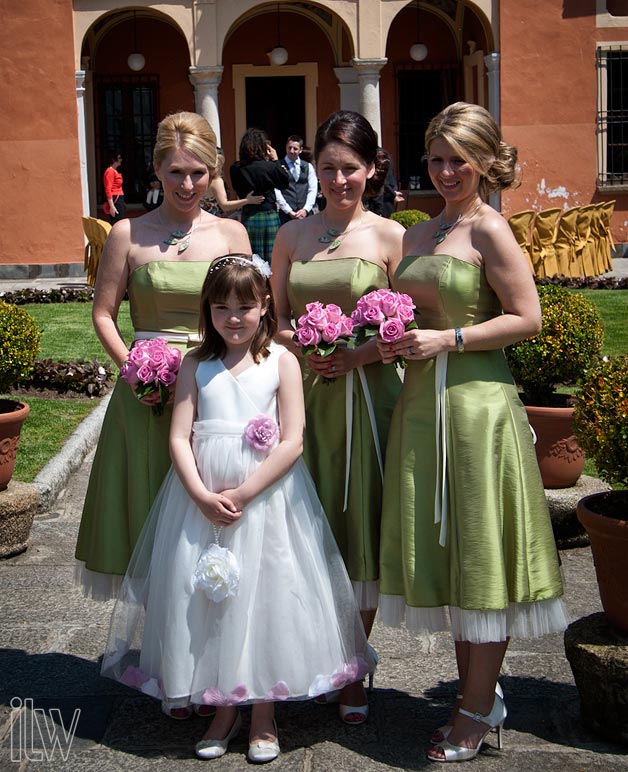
18,504
598,656
568,532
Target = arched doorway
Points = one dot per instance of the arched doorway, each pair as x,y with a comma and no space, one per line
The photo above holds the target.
127,105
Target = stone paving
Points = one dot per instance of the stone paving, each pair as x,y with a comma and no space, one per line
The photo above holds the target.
52,639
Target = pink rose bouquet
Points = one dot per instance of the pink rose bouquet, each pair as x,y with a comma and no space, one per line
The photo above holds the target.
151,367
322,329
385,313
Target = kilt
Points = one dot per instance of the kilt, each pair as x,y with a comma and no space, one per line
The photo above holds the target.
262,228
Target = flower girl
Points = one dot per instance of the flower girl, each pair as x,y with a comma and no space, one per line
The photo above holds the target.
236,592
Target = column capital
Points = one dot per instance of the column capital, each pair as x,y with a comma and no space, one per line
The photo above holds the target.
206,76
366,67
80,77
492,61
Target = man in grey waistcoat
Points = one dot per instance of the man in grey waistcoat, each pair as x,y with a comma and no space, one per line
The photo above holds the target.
299,198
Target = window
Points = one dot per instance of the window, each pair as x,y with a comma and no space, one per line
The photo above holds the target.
612,116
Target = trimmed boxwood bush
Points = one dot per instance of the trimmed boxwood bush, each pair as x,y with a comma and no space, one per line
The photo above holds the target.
601,418
19,344
568,343
410,217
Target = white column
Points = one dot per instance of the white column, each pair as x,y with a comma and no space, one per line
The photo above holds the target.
492,65
206,81
368,82
349,89
80,108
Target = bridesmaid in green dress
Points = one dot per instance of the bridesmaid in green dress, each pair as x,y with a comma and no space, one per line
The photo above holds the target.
161,259
466,535
337,256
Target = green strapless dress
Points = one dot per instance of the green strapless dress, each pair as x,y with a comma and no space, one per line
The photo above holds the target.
343,281
465,524
132,456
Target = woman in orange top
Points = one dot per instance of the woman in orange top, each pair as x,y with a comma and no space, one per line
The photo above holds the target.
114,193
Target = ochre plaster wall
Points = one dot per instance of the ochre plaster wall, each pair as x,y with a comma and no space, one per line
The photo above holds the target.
548,105
40,194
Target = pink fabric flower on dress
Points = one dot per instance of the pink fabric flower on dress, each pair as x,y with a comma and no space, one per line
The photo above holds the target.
214,696
261,433
134,677
280,691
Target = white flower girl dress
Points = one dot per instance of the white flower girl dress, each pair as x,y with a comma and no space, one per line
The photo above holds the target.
288,627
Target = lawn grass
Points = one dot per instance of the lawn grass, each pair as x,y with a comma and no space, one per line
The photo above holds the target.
612,305
68,333
49,424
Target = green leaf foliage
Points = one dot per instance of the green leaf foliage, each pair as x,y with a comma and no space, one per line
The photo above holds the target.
569,342
601,418
19,344
410,217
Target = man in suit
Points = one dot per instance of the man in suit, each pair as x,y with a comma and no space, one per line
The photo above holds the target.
298,199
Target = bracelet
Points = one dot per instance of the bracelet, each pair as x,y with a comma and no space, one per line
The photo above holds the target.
459,340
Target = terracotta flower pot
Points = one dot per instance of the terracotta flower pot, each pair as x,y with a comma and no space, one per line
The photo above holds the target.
12,416
560,457
609,544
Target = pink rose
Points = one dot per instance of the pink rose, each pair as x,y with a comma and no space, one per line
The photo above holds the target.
316,315
405,313
346,326
128,371
391,330
331,332
280,691
166,376
389,302
334,313
261,433
145,374
308,336
373,315
357,317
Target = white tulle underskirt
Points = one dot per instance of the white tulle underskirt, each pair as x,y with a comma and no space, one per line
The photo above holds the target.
518,620
366,594
95,585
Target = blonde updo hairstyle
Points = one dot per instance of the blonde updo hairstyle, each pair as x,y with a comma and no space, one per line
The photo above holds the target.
475,136
189,131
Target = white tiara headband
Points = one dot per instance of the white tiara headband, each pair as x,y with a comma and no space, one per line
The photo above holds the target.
256,262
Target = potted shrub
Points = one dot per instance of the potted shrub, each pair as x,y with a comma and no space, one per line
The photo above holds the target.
568,343
19,345
601,423
409,217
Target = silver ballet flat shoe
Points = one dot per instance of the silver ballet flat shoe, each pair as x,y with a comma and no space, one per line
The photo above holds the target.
214,749
264,750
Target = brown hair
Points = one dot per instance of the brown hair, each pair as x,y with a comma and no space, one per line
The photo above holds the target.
253,146
474,134
353,130
189,131
231,273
